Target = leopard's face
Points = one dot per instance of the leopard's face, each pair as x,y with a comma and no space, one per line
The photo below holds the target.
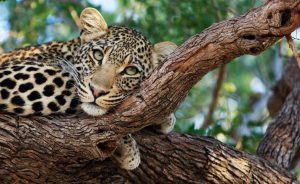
112,67
112,62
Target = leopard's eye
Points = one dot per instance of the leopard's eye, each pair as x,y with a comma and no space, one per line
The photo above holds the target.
131,70
98,55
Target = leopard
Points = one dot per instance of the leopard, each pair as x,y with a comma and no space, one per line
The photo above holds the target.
92,73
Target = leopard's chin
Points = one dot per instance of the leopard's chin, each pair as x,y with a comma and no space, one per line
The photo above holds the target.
92,109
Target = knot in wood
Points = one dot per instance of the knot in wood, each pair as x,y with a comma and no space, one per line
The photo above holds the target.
107,148
23,132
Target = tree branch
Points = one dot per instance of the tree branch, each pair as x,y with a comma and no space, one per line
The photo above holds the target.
281,141
167,87
178,158
170,158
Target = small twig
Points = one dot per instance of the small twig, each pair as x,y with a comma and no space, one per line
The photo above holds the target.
74,16
293,48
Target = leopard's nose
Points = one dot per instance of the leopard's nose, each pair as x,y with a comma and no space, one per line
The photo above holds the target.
98,92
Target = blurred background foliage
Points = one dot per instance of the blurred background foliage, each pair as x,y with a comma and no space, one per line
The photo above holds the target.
240,118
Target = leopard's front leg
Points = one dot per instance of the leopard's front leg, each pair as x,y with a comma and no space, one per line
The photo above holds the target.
127,154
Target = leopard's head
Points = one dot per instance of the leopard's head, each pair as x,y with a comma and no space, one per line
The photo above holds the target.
114,61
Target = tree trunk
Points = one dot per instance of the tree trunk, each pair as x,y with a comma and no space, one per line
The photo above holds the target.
282,139
76,149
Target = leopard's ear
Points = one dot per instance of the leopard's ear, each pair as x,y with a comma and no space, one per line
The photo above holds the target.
92,24
162,50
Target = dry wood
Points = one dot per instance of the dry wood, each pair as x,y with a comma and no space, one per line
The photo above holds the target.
58,149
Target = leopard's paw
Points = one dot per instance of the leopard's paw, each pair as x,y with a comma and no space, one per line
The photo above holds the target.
127,154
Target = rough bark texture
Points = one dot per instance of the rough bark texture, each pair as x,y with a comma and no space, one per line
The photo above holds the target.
282,139
185,159
60,149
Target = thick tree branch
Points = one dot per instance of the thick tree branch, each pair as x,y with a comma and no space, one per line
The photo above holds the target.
282,139
170,158
39,148
184,159
217,45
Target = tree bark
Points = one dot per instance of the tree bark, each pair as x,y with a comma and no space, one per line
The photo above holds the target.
60,149
282,139
178,158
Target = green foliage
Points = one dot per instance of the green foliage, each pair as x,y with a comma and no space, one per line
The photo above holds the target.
248,79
